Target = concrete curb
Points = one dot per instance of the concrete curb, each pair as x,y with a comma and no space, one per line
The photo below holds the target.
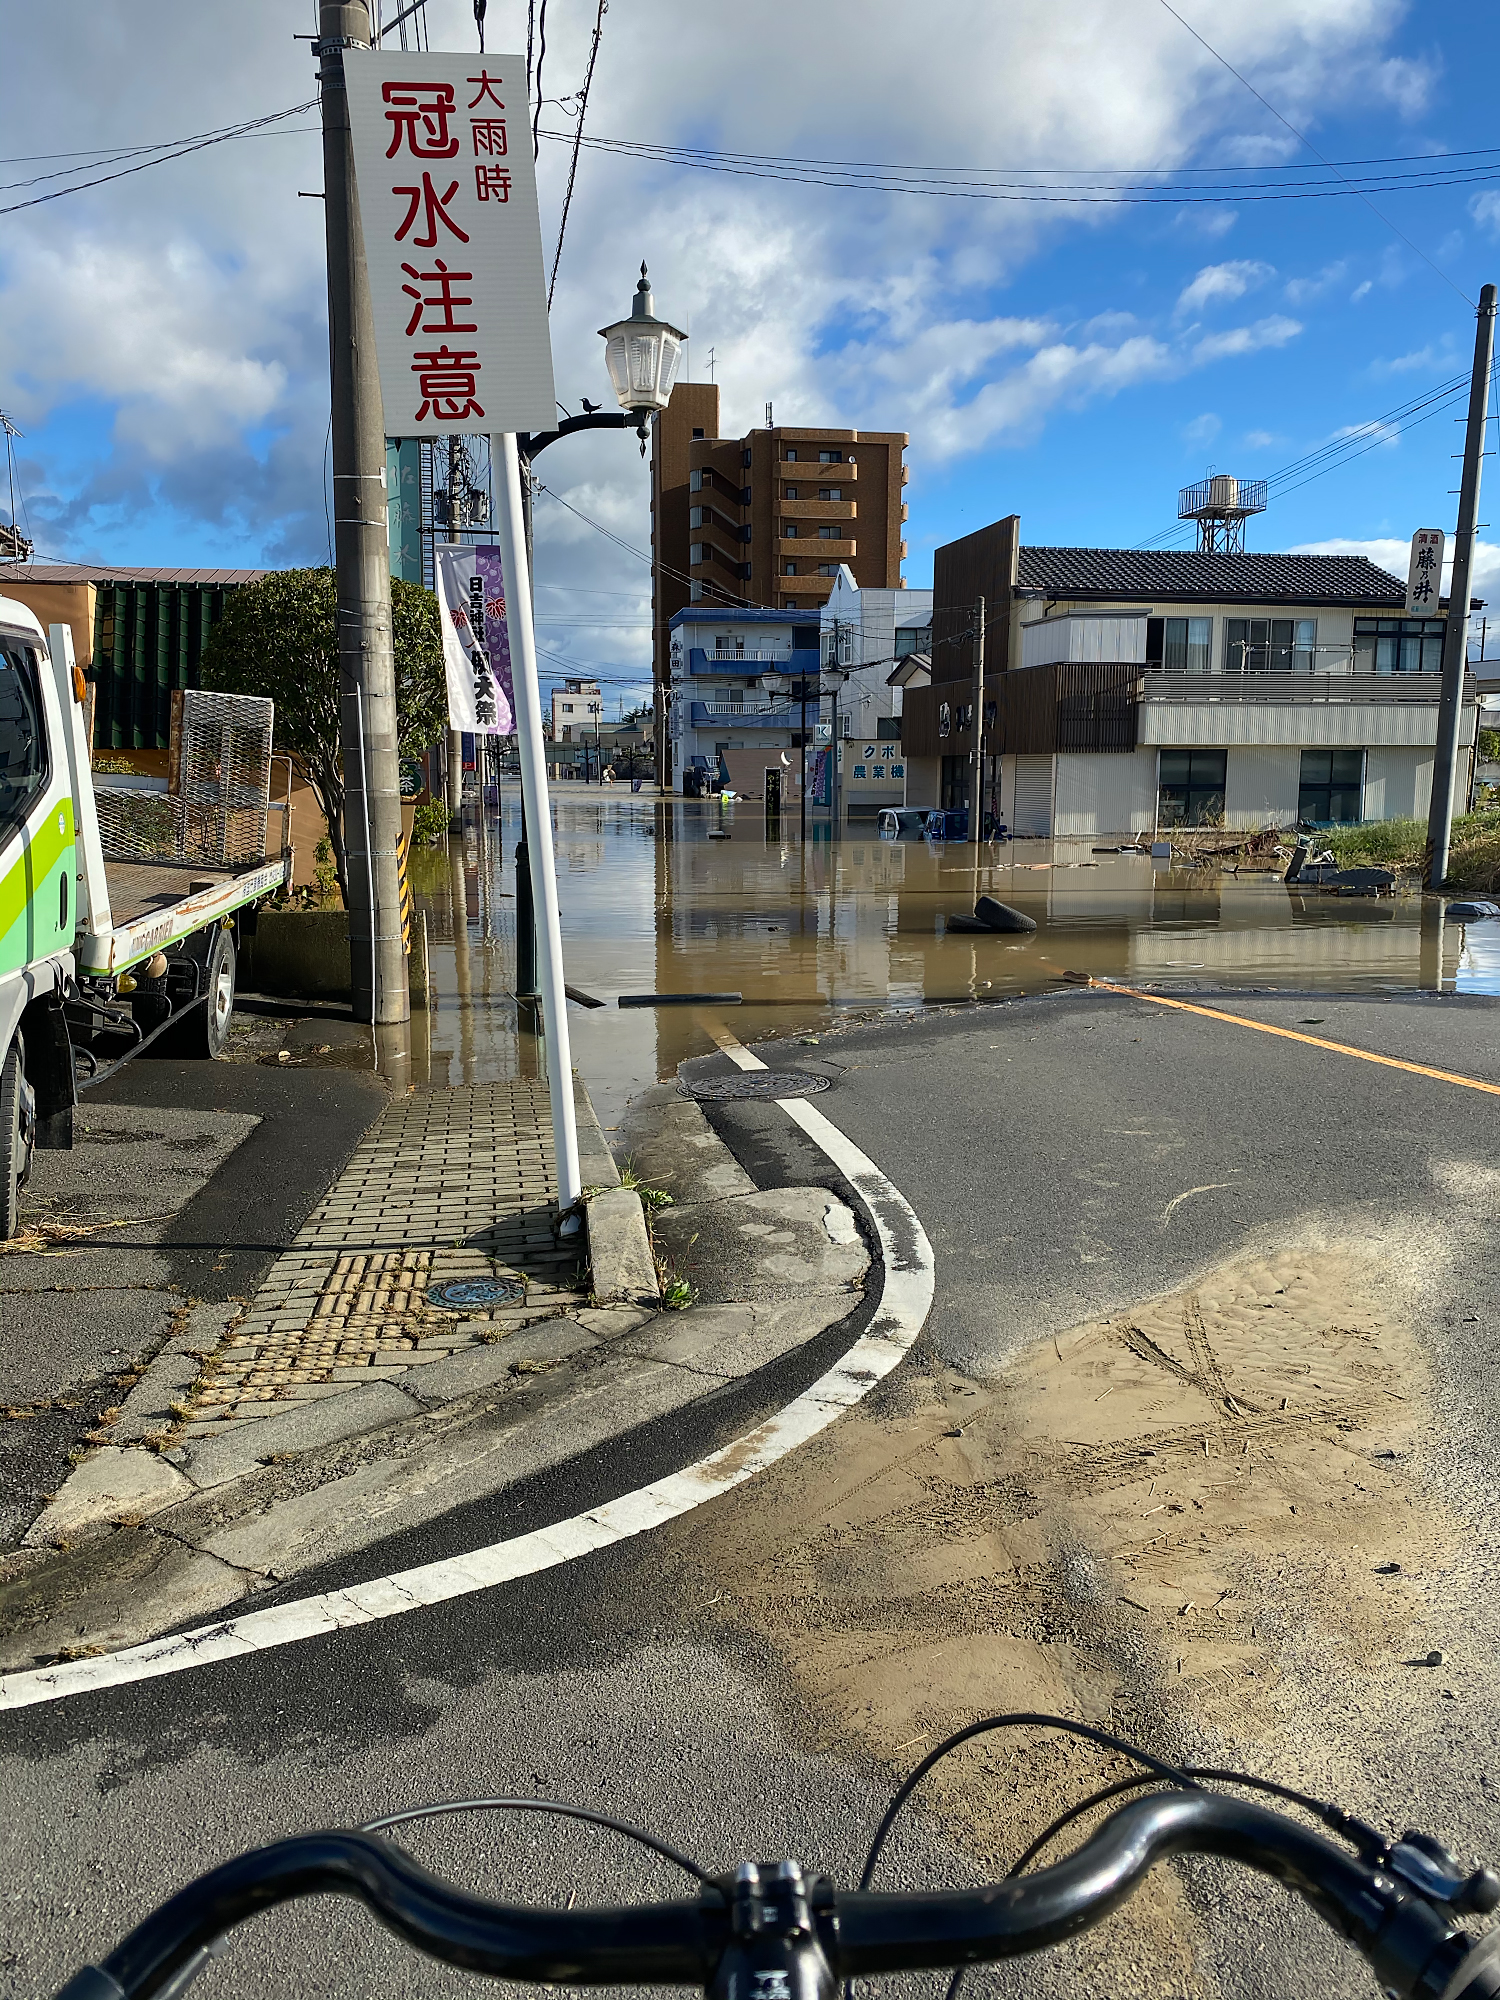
136,1542
621,1261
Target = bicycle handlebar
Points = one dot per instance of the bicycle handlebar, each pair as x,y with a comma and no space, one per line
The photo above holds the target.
771,1920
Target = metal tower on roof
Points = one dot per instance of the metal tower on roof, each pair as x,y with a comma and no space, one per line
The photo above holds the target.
1220,505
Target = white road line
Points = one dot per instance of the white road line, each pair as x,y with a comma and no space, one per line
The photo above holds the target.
905,1300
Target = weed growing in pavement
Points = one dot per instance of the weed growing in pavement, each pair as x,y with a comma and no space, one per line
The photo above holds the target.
676,1294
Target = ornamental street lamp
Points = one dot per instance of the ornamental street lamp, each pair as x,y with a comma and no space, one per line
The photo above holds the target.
641,354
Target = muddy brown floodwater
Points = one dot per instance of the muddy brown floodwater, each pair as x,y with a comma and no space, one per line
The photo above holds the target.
673,896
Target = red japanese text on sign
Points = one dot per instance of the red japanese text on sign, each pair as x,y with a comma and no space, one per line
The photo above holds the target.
492,183
418,116
434,207
486,91
447,383
443,301
489,135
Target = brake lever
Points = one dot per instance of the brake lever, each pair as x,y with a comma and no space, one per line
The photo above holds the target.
1434,1871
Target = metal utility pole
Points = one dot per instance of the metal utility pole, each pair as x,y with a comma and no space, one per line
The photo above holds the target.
367,676
976,805
1456,636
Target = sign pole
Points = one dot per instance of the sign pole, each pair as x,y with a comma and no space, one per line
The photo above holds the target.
512,539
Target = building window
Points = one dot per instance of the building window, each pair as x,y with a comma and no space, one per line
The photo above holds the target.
789,569
830,458
789,531
1191,786
695,516
695,480
830,534
913,639
567,708
695,552
1181,645
1398,645
697,435
791,458
791,493
830,492
1331,791
1270,645
828,569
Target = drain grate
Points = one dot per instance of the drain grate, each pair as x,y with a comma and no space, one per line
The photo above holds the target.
757,1083
465,1293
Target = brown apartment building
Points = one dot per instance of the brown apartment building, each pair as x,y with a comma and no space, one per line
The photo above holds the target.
766,519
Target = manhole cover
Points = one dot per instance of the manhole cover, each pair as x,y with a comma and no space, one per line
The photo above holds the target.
466,1292
757,1083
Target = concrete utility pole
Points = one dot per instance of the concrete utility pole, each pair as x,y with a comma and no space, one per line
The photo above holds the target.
976,802
1456,636
367,674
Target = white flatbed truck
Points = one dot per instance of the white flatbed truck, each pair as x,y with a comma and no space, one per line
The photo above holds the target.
113,940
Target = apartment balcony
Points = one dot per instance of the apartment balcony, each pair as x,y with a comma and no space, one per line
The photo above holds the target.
813,548
723,666
842,474
817,510
747,715
1167,684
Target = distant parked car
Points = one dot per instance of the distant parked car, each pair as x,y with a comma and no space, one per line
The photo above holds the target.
895,821
952,824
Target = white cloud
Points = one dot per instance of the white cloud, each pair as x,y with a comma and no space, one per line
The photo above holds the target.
1485,209
188,301
1361,291
1202,431
1299,291
1389,553
1260,440
1222,281
1275,331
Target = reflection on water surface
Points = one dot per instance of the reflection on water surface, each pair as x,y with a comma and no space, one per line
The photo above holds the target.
651,904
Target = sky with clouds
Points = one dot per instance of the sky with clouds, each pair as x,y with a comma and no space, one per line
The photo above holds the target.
163,340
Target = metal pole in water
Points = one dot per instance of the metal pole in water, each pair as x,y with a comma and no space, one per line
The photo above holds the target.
512,540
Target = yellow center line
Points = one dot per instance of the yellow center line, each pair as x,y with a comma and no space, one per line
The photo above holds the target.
1312,1041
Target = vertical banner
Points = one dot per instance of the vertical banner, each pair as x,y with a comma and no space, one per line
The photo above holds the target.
1425,573
453,241
476,640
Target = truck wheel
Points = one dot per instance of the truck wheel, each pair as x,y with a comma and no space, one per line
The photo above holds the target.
16,1127
203,1033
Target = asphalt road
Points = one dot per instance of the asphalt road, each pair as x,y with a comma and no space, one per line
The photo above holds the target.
192,1177
1046,1146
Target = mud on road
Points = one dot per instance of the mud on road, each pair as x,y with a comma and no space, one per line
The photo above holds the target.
1184,1523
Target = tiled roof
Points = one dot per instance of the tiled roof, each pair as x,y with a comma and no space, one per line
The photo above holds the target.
1178,574
35,572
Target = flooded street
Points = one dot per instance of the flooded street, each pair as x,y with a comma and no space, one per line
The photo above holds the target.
656,900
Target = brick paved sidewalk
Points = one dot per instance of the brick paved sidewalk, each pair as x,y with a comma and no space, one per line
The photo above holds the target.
453,1188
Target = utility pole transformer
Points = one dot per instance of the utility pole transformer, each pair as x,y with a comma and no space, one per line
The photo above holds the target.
1456,635
367,676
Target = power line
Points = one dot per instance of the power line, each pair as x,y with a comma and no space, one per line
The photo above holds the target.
1302,137
583,105
861,178
1343,450
180,148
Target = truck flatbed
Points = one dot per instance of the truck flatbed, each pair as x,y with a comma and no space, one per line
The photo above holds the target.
154,904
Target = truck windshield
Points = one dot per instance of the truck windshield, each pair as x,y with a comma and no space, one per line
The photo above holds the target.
23,740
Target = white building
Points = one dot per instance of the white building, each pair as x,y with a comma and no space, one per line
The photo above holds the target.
1130,690
577,711
867,632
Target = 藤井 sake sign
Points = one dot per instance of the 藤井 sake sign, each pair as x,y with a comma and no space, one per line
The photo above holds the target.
453,241
1424,576
476,640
